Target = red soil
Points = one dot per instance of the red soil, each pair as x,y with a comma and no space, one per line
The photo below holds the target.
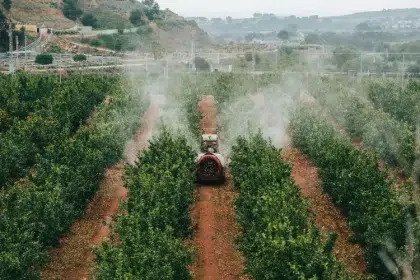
328,216
209,121
214,219
73,258
216,231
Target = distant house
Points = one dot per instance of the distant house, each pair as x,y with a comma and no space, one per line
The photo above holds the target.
28,27
220,68
33,28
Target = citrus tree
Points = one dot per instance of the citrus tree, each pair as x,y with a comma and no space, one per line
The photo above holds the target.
155,219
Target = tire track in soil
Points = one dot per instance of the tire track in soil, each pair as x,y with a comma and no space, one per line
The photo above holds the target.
73,258
214,220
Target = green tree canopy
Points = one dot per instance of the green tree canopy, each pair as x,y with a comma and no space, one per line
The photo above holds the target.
79,57
90,20
343,54
137,17
44,59
71,9
201,64
312,38
7,4
283,34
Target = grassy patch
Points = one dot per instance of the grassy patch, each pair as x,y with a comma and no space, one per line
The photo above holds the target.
109,20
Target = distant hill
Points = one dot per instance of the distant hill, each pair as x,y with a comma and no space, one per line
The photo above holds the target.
383,13
388,20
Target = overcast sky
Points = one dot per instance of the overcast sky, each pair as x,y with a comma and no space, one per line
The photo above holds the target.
245,8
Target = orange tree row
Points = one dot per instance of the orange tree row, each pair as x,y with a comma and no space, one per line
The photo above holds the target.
402,103
147,239
392,139
280,240
355,183
50,119
20,94
35,211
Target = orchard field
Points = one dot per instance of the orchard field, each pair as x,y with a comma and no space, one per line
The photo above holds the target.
323,178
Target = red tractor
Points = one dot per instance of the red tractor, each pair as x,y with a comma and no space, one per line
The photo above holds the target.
210,163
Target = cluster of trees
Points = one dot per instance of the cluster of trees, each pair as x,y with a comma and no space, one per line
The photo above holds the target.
353,180
280,240
402,103
40,207
148,236
150,12
201,64
403,106
7,4
19,97
71,9
55,116
249,56
353,44
367,41
4,35
392,140
90,20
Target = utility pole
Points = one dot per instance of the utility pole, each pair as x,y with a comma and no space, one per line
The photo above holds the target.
253,57
403,62
402,72
192,55
102,68
60,67
277,53
17,53
26,55
11,66
167,68
147,66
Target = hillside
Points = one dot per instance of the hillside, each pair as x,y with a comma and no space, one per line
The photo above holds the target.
170,32
40,12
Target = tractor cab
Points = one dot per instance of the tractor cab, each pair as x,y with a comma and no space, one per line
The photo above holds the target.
209,143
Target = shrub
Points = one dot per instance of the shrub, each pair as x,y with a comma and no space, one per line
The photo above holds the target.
54,49
71,9
44,59
95,43
7,4
137,17
90,20
144,30
201,64
249,57
79,57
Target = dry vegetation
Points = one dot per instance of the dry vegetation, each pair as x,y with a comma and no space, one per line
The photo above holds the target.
40,12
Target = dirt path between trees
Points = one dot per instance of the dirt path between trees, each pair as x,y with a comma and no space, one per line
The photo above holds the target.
216,233
73,258
214,220
328,216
